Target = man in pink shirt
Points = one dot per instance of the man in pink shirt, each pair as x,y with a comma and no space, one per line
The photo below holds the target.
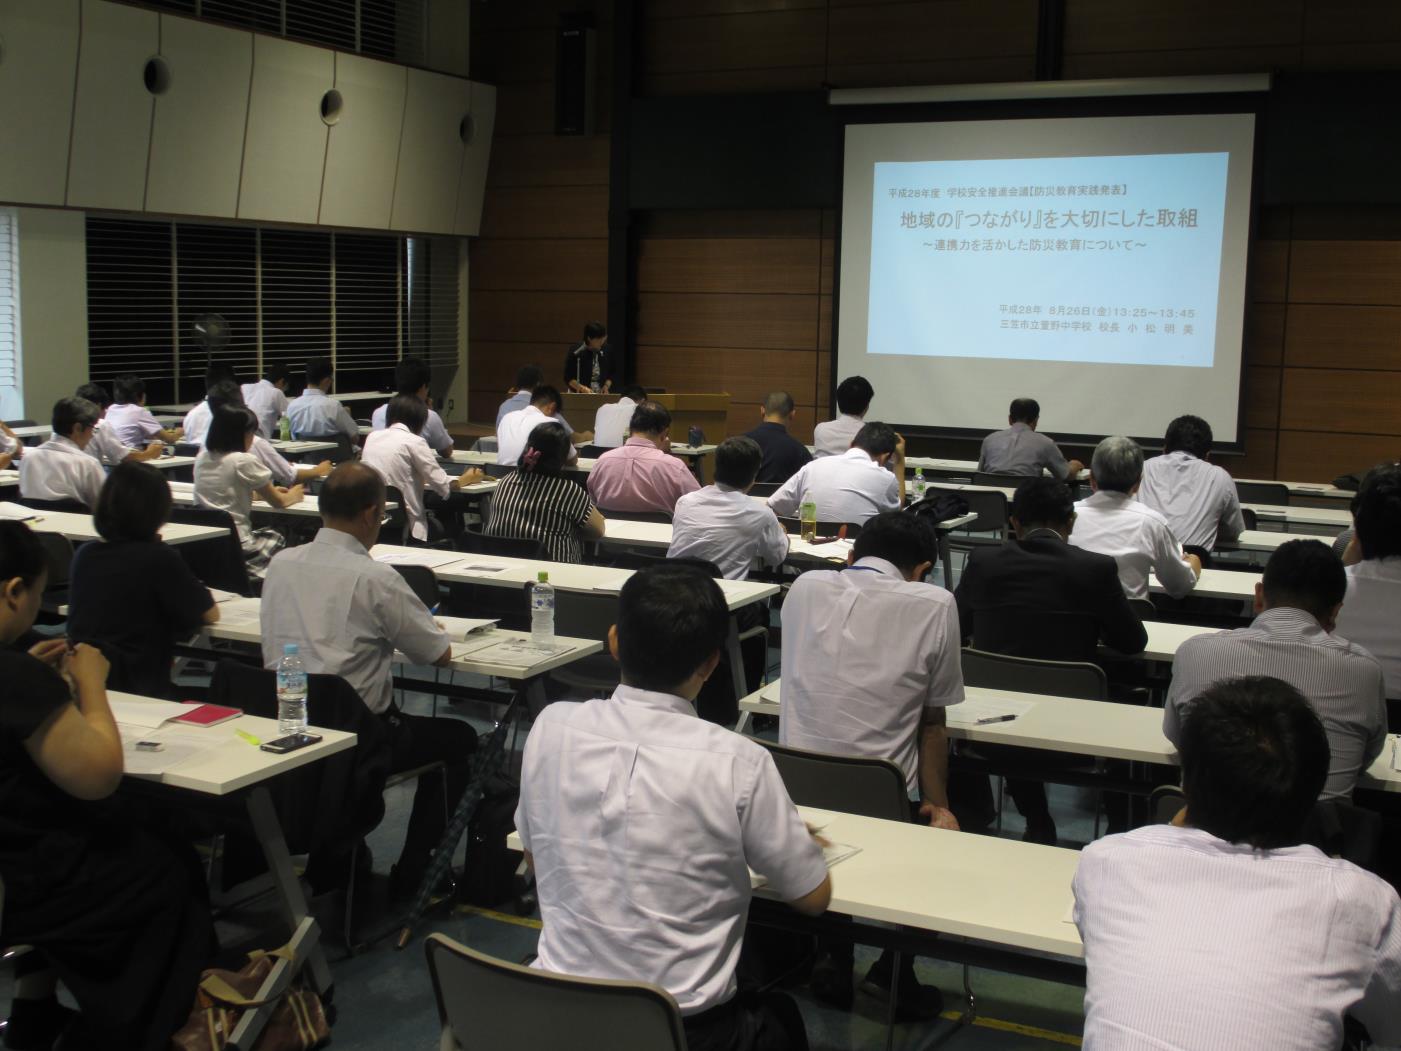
642,475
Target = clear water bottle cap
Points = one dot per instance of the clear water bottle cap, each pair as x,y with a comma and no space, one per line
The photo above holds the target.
543,577
289,650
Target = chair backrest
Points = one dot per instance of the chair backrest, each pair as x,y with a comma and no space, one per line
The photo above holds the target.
58,552
1263,493
74,506
485,1004
585,615
1036,633
424,583
848,784
996,671
1164,802
765,488
218,562
990,507
398,524
638,516
793,527
345,448
1342,830
1250,518
1143,608
507,546
1000,481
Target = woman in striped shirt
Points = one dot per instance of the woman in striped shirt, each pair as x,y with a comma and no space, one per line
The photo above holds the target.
537,502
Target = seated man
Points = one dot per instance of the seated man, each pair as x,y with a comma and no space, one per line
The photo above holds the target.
11,448
130,420
196,423
863,481
105,446
1371,614
720,524
268,398
411,377
513,432
528,377
833,438
610,423
1114,523
1020,450
642,476
1037,596
783,454
1227,932
315,414
1197,498
641,823
1296,606
348,614
60,469
871,659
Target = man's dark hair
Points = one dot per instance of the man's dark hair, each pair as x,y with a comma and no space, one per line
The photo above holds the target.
650,418
411,375
1188,434
528,377
405,408
1378,514
854,395
737,462
217,372
875,438
778,403
1024,410
903,540
95,393
551,441
318,369
544,395
1042,502
1306,575
128,389
349,490
134,503
594,329
1254,758
275,373
636,393
70,412
225,393
671,620
228,425
21,554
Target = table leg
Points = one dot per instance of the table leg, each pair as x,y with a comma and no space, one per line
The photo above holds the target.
946,559
742,723
732,650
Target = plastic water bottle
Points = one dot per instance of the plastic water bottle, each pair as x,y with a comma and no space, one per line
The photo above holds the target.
291,691
919,484
542,609
807,520
284,429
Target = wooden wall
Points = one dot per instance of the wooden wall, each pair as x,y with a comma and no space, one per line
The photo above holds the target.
742,300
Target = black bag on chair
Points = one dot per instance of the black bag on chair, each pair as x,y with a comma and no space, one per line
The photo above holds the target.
940,506
489,868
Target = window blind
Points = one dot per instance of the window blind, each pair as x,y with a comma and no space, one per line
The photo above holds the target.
11,397
216,273
367,308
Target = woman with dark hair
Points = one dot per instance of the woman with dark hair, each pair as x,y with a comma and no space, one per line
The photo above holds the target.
131,595
228,476
537,502
111,910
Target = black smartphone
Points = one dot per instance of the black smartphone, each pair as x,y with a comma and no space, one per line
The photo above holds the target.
290,743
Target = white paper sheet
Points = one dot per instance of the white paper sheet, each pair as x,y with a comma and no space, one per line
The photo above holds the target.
179,744
431,559
17,512
458,628
517,652
148,713
833,854
970,711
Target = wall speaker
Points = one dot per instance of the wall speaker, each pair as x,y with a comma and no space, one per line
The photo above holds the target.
575,74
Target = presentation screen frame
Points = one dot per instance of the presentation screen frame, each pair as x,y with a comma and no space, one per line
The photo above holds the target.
1186,105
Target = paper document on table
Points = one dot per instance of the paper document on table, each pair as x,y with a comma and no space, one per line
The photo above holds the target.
223,596
1396,752
483,567
431,559
177,745
832,854
770,693
147,712
16,512
517,652
458,628
836,550
974,711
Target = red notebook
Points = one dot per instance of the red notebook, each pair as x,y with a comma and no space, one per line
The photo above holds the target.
201,714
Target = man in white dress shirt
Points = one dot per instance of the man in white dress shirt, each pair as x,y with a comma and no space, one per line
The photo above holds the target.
60,469
348,614
1371,614
871,660
1020,449
721,524
1227,932
1113,523
11,448
403,460
1197,498
411,377
1292,638
528,377
268,398
513,432
863,481
315,414
201,415
641,823
610,422
130,420
833,438
105,446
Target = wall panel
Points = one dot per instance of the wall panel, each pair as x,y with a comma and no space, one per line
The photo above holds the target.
362,148
471,187
556,265
729,265
765,322
430,153
1361,272
40,40
747,374
1315,457
1343,337
533,317
1347,401
284,152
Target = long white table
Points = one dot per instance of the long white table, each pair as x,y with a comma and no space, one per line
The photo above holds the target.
79,527
171,463
1335,518
183,495
1217,583
1306,490
658,535
236,766
485,459
1267,540
298,448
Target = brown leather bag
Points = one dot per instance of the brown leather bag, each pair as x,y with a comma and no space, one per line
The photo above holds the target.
298,1021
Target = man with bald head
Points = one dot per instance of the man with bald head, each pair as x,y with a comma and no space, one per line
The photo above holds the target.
348,614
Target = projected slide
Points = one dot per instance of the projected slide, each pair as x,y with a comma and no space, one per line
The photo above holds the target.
1096,259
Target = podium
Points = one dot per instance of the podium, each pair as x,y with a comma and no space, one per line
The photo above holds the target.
709,412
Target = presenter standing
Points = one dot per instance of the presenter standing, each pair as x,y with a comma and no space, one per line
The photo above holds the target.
589,364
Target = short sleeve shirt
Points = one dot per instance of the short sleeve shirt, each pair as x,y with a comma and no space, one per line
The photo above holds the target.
226,482
541,507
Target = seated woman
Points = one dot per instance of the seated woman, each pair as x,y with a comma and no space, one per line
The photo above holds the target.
112,910
536,501
130,594
228,476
